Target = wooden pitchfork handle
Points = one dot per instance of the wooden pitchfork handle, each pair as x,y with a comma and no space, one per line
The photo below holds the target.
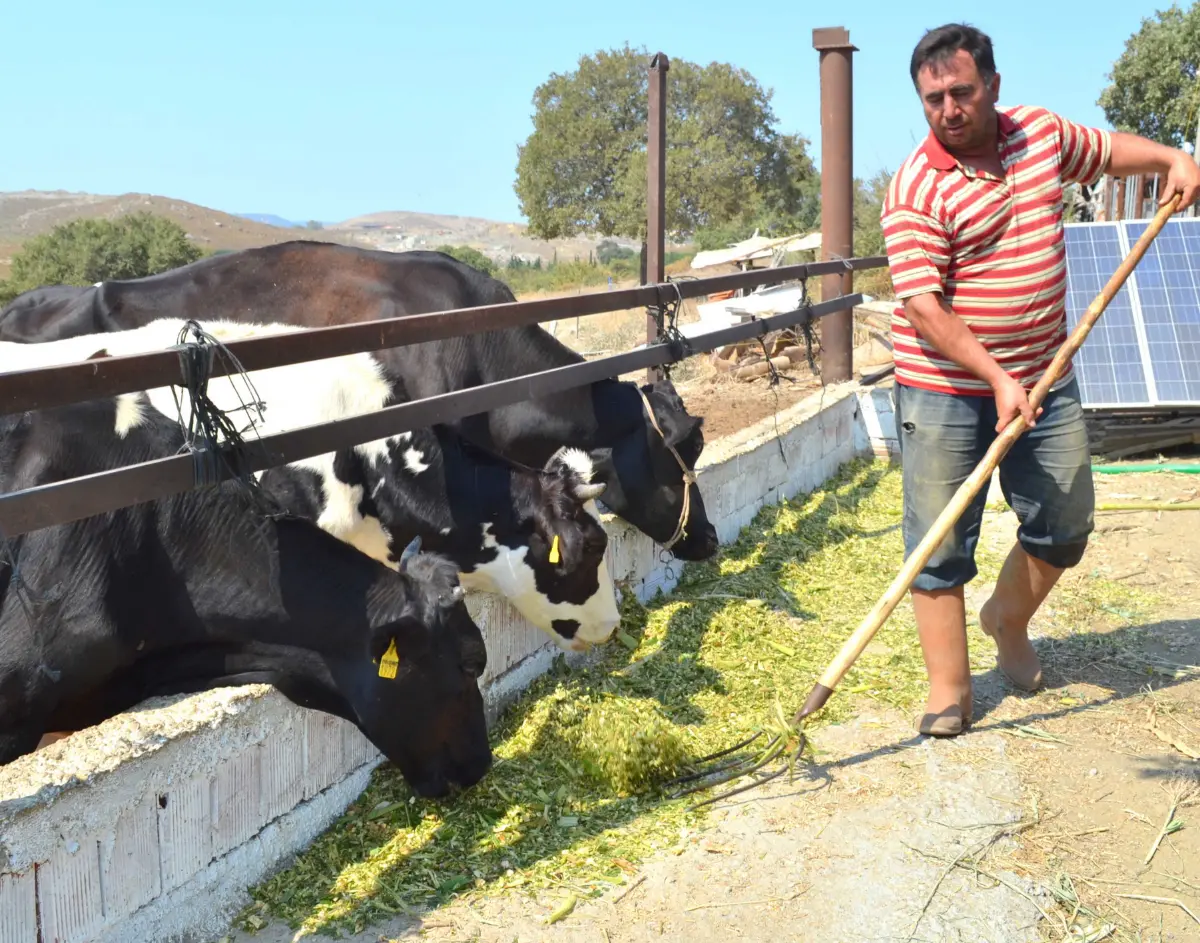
862,636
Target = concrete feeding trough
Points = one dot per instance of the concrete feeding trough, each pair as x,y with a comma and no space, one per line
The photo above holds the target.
152,825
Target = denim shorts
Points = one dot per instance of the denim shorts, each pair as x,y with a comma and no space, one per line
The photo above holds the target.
1046,478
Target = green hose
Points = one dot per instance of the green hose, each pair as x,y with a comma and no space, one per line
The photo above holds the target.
1186,468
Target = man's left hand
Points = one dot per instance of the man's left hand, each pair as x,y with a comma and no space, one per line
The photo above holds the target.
1184,178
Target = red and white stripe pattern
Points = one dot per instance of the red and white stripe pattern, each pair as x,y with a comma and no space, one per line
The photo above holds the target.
993,247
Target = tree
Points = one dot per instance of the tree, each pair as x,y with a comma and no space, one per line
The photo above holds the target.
868,203
472,257
583,168
86,251
1154,90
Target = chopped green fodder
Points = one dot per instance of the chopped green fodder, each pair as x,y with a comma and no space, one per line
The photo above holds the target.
571,804
627,745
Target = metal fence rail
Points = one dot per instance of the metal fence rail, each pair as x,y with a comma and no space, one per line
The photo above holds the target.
61,385
77,498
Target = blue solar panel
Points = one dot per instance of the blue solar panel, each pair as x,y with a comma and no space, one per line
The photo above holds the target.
1110,366
1168,290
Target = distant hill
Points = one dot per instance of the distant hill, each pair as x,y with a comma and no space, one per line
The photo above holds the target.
270,219
402,229
29,213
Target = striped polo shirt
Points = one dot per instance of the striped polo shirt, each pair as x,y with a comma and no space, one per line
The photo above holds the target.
994,248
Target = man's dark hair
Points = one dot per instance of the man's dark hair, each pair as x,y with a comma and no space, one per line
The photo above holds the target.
939,45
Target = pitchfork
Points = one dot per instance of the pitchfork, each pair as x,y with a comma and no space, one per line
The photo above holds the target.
781,732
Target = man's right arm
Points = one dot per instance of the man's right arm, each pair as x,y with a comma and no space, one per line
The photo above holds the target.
935,320
918,249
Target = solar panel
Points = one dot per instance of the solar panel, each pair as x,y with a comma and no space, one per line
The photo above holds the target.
1111,365
1168,292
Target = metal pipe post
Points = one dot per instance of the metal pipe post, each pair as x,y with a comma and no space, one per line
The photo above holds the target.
656,189
837,194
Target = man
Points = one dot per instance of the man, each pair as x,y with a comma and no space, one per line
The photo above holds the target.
973,225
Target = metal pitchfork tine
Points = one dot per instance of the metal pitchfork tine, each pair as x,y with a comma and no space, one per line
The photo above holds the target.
699,771
862,636
781,733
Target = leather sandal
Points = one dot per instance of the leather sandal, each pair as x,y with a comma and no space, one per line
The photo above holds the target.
949,722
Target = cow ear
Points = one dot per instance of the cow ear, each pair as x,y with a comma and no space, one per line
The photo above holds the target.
392,644
665,386
413,548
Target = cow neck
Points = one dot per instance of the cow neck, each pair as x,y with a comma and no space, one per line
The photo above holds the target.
569,417
334,616
487,480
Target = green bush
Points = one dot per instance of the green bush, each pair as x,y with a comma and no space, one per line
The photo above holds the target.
471,257
86,251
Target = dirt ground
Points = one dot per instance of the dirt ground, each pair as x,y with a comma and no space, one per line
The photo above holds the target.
1042,817
1037,825
729,405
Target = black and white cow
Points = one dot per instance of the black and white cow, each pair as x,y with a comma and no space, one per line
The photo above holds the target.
643,442
200,590
531,535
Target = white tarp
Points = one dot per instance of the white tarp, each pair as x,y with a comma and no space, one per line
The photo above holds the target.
756,247
764,303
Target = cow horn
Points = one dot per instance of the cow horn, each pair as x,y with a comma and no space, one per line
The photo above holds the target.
589,492
413,548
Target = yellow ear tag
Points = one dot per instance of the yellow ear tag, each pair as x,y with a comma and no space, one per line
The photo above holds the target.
554,557
389,662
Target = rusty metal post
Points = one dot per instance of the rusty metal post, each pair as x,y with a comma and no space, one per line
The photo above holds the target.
837,194
656,190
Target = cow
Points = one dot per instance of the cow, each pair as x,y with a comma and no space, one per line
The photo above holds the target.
203,590
644,443
34,313
531,535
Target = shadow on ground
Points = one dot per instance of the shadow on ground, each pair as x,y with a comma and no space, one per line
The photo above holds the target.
739,634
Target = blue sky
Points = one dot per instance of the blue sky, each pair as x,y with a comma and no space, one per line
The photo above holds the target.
292,108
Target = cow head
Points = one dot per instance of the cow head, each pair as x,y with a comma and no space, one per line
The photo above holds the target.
552,566
644,471
425,713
